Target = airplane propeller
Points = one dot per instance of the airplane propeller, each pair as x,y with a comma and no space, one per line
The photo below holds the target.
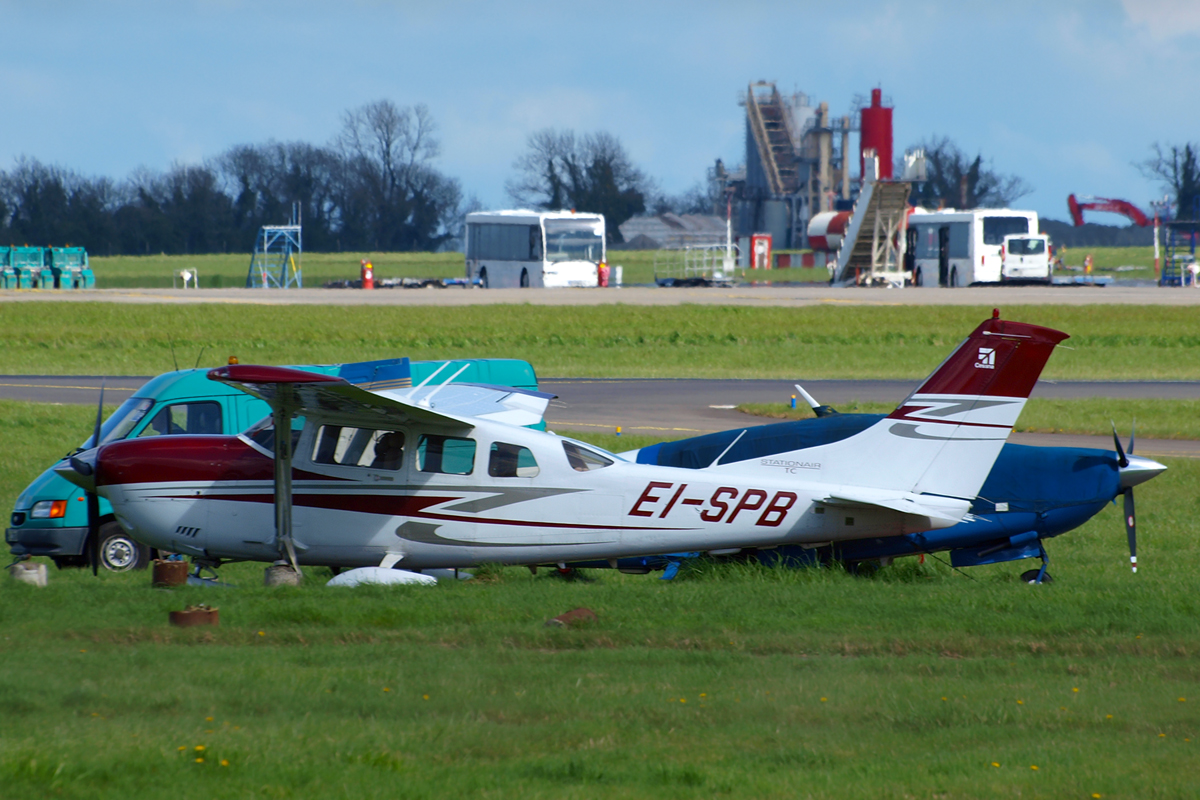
1133,470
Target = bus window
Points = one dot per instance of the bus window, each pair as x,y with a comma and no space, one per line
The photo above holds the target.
569,240
996,228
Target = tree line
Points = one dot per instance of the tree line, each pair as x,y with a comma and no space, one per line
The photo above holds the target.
373,187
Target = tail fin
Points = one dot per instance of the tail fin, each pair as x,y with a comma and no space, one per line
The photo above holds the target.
943,439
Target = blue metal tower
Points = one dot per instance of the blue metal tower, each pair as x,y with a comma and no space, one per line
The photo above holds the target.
276,259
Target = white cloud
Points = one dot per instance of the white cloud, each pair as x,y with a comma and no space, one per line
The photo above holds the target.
1165,19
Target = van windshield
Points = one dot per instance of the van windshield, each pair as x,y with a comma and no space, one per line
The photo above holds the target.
1026,247
121,422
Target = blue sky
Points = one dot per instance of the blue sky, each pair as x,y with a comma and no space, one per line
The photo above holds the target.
1065,94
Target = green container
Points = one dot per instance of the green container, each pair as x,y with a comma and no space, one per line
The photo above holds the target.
29,263
67,264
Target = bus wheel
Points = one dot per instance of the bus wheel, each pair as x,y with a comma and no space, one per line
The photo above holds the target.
524,279
118,552
953,277
483,278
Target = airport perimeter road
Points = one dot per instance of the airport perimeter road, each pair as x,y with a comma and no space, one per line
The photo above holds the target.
680,408
797,295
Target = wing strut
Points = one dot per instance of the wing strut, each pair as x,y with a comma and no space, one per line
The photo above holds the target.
283,409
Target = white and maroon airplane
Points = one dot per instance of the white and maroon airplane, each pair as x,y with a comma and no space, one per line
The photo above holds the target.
446,476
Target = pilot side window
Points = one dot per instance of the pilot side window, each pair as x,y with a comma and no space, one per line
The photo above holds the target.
358,447
584,460
182,418
446,454
511,461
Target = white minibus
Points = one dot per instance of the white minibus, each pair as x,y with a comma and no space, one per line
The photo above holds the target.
534,248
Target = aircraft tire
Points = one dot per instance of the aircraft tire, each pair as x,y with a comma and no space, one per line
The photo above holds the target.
1030,576
483,281
120,553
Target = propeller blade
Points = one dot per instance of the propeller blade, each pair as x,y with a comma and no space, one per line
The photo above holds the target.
93,501
1132,433
1131,528
1122,459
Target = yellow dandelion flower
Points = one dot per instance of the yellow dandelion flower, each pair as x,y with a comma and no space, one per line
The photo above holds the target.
199,760
1183,699
237,727
1108,716
702,694
1062,708
823,699
224,762
683,699
995,763
386,689
1096,795
182,747
943,699
1075,689
1020,702
1162,736
262,633
208,719
424,697
200,748
209,731
1033,767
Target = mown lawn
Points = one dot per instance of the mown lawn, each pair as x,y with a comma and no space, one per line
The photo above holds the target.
828,341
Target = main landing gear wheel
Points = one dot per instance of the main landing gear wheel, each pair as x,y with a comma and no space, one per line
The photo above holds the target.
1030,576
120,553
483,278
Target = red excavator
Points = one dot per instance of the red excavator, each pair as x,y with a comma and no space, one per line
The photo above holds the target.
1122,207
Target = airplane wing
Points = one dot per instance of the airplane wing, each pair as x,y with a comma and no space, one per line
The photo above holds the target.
313,392
948,509
449,405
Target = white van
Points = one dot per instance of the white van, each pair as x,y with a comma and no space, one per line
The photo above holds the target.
1025,257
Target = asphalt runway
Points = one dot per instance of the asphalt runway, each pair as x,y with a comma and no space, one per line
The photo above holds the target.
680,408
761,294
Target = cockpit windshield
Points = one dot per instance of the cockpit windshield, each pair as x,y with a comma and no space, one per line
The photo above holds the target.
574,240
121,422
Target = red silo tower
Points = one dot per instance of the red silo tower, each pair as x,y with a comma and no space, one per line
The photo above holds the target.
876,132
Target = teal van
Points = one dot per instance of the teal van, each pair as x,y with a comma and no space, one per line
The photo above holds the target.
50,517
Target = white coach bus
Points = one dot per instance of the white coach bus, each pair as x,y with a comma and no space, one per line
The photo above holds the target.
958,248
534,248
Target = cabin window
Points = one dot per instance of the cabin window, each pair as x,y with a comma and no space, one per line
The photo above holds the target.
511,461
262,433
583,460
358,447
996,228
181,418
449,455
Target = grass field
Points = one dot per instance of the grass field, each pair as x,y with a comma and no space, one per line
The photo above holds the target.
828,341
730,681
229,270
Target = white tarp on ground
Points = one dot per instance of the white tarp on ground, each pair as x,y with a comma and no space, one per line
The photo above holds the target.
382,576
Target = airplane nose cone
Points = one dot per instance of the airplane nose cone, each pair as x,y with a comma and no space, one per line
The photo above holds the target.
1139,470
80,469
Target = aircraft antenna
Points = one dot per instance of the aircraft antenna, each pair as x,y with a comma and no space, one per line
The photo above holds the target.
727,449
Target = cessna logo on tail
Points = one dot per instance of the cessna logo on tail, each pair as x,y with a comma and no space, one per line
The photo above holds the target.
987,358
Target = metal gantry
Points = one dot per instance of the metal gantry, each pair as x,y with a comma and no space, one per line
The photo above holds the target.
276,259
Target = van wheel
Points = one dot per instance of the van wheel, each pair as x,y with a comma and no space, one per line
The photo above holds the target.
524,279
953,277
483,278
918,278
120,553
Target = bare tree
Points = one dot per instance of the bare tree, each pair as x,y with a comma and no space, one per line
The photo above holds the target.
954,179
1177,169
593,173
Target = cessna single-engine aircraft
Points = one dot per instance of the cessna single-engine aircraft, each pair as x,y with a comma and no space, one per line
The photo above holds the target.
445,476
1032,494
